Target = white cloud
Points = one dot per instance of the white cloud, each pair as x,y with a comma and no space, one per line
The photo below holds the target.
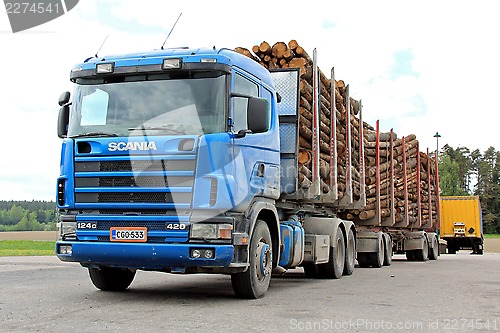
452,44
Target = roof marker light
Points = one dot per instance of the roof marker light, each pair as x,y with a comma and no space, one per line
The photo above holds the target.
105,68
171,63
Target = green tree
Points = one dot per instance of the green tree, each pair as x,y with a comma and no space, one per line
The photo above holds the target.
15,214
462,157
488,189
29,223
449,176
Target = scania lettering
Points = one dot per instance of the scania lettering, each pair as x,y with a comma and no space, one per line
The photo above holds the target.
123,146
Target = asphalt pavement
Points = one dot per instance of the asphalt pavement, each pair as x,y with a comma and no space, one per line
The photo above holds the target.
455,293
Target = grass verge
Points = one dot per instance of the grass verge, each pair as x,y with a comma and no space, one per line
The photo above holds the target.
12,248
492,236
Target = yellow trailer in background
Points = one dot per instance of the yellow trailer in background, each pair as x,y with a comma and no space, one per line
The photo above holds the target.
462,223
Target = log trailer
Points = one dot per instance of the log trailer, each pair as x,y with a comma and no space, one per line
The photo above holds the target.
204,161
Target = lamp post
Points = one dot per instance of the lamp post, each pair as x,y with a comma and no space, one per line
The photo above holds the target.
438,205
437,136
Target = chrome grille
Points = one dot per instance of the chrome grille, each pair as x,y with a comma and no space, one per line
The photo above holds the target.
121,181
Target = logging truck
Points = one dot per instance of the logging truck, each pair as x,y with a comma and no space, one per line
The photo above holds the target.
213,161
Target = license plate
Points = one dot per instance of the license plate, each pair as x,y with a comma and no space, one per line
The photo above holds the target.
128,234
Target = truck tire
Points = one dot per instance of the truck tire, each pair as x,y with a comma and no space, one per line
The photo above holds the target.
376,259
334,268
111,279
388,251
434,251
350,253
423,253
477,248
254,282
363,260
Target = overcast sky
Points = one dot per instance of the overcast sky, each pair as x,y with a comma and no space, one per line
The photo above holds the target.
419,66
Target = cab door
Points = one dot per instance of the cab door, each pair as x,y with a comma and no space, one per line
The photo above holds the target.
255,155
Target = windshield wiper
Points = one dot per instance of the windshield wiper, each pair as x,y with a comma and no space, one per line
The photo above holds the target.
93,134
156,128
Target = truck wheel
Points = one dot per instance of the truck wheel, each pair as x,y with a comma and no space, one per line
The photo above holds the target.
111,279
334,268
480,247
434,251
477,248
423,253
350,253
474,248
388,251
254,282
363,260
377,258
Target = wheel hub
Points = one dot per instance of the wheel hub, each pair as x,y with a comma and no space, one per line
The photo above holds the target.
265,260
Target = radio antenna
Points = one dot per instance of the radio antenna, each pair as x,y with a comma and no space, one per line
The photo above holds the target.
171,31
101,46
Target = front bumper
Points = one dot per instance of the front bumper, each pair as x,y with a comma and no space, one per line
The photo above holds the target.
148,256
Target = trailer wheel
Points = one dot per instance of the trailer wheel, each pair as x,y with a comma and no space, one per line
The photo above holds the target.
350,253
434,251
363,260
254,282
111,279
387,250
334,268
423,253
377,258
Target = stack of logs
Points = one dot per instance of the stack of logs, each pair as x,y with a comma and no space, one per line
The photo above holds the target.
292,55
411,151
428,188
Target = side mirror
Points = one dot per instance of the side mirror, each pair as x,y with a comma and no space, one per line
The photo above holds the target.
64,98
257,115
63,121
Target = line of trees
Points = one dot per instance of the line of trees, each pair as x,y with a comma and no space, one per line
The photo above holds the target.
465,172
28,215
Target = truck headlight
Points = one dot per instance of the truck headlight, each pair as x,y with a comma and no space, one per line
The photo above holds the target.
211,231
66,230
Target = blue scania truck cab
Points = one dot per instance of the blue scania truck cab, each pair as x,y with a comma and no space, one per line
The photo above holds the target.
185,161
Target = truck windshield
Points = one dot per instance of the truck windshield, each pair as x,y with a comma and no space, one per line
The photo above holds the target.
184,103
